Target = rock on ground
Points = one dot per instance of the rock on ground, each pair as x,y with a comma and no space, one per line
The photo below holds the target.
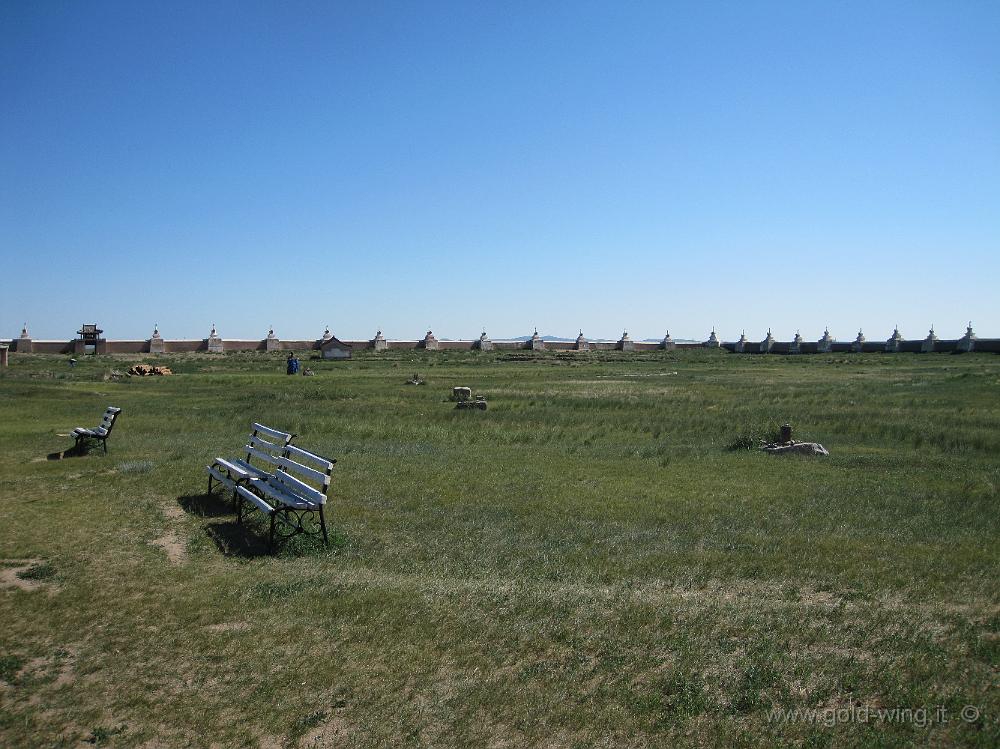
798,448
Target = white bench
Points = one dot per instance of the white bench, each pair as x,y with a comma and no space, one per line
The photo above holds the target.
101,432
293,494
264,444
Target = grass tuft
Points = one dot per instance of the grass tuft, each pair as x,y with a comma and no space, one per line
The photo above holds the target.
10,665
135,467
100,736
42,571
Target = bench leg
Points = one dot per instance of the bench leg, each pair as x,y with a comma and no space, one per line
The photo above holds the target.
104,444
322,524
270,537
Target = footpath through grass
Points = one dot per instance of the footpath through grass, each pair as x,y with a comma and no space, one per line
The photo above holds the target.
585,563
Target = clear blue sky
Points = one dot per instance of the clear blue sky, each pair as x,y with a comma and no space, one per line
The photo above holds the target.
458,165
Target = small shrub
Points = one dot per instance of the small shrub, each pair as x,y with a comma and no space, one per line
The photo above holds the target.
744,442
306,722
9,666
41,571
751,439
685,695
750,694
101,735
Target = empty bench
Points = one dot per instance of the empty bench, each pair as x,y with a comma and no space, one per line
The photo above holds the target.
265,445
294,494
100,433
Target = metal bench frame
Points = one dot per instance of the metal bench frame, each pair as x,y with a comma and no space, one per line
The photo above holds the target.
292,495
265,444
100,433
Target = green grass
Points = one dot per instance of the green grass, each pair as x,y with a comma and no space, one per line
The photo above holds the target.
595,560
42,571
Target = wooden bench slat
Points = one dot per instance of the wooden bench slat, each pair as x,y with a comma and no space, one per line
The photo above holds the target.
285,498
241,468
297,468
254,499
285,437
260,442
262,455
306,457
292,485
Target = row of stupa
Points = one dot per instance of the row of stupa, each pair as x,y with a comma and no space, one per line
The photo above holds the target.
895,342
215,341
536,342
625,343
825,344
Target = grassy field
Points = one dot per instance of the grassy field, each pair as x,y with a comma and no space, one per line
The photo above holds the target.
587,563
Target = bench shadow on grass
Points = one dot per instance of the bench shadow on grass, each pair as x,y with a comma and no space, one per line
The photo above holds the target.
232,539
71,452
248,540
236,540
207,505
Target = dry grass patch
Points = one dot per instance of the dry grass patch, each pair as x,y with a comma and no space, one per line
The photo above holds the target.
26,574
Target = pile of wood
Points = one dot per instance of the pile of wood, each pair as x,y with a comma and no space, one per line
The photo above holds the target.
145,370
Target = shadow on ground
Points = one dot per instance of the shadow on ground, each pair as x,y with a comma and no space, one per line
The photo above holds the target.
236,540
206,505
232,539
248,540
72,452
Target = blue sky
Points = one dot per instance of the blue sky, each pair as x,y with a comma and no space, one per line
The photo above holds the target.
455,166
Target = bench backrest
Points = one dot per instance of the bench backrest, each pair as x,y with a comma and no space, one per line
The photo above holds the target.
304,473
267,444
108,420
